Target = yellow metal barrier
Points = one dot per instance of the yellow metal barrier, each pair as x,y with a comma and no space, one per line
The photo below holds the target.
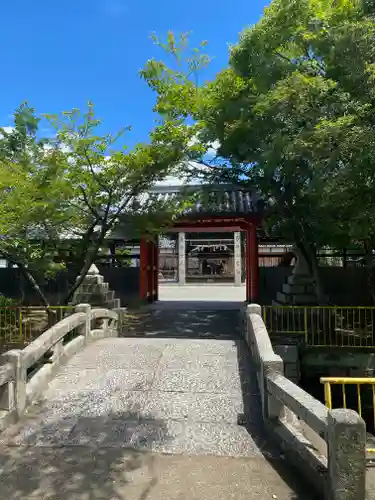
360,400
322,326
22,324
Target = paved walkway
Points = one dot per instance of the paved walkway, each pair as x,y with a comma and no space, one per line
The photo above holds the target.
201,296
150,418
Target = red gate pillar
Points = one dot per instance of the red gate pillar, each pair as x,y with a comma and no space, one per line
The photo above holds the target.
143,265
152,271
252,265
248,267
156,268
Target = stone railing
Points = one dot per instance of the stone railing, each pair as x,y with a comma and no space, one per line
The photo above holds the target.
25,373
329,447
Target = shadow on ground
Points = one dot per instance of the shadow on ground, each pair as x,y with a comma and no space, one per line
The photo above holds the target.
182,322
185,320
253,423
47,464
54,453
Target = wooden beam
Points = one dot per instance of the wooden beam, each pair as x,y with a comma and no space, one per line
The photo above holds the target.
204,229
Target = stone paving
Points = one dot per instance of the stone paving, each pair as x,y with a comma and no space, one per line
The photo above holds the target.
201,296
150,418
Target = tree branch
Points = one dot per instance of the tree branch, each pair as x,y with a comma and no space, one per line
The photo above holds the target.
92,210
27,275
93,173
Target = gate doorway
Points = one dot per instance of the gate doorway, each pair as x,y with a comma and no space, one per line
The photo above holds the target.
203,260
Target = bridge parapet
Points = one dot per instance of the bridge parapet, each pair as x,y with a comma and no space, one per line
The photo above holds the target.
25,373
332,453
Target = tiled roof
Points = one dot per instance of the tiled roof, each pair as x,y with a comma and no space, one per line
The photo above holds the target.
208,199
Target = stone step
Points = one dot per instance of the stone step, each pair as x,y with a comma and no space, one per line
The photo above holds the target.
301,299
299,279
99,297
97,278
113,304
295,289
94,287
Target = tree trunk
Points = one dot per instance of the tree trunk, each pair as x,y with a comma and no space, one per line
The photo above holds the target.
90,257
30,278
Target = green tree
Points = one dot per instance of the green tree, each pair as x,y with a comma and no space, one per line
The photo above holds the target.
78,186
293,115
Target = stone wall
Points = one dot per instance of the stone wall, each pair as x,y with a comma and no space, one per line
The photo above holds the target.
123,281
343,286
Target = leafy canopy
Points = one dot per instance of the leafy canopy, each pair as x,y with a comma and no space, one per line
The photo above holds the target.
73,189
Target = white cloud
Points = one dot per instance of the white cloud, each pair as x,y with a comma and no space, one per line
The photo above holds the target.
212,150
7,129
185,180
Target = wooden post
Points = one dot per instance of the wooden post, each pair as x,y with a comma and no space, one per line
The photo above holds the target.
248,267
143,257
150,273
254,264
156,268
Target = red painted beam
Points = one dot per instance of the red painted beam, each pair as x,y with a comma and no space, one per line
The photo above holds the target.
143,275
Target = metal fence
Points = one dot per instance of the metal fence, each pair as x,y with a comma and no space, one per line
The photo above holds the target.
356,394
326,258
20,325
322,326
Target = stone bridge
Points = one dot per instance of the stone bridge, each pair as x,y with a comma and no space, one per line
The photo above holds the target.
180,403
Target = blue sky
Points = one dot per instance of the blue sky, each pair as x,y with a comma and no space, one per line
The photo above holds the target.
59,54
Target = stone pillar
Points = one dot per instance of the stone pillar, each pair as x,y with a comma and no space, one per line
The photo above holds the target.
254,309
181,259
95,291
84,329
237,259
346,438
272,408
16,357
300,289
301,269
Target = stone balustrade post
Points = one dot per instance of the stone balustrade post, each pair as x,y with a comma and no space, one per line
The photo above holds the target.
17,396
121,316
346,440
254,309
105,324
272,409
85,329
7,396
